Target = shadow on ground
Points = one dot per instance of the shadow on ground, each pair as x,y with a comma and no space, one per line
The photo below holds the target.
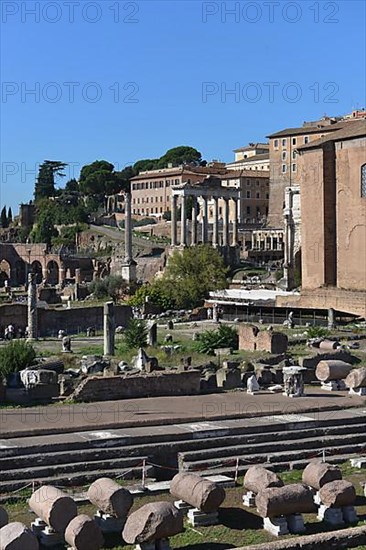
238,519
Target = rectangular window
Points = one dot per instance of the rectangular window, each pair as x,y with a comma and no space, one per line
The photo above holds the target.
258,195
306,139
293,141
284,168
248,194
275,143
294,167
284,142
267,196
284,155
294,154
248,210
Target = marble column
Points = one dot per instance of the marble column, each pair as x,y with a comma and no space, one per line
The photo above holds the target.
109,328
194,222
183,222
32,308
235,223
225,234
128,228
215,230
174,220
205,221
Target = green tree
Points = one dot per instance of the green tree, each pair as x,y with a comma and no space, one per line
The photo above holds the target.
44,230
135,335
180,155
99,178
45,184
72,186
192,273
113,286
3,218
16,356
10,215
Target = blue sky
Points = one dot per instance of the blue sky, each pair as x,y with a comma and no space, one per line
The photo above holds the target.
121,81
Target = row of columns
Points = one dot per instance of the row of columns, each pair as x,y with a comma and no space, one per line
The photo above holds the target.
205,224
267,238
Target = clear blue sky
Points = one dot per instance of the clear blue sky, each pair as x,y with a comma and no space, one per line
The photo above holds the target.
181,58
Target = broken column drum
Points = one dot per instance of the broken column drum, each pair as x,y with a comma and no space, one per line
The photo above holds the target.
110,497
317,473
82,533
283,501
53,507
338,493
258,478
16,536
356,378
154,521
326,371
198,492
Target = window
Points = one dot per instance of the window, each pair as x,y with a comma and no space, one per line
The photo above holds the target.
267,196
258,195
306,139
284,155
248,183
257,183
248,194
284,142
168,183
294,154
248,210
293,141
275,143
284,168
363,181
294,167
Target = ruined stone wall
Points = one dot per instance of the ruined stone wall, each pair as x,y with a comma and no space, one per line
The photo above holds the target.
144,385
346,301
50,321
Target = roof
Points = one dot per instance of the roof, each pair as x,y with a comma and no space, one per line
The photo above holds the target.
235,174
254,158
309,129
352,129
252,146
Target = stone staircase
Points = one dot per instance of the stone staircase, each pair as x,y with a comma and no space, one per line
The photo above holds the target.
213,447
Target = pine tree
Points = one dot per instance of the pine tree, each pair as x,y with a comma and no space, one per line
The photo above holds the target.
45,184
10,215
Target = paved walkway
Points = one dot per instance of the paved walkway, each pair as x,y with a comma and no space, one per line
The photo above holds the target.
63,418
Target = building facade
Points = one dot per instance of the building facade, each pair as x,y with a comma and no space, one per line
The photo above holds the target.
254,156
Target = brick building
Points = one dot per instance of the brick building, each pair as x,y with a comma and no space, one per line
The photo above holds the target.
254,156
253,195
333,219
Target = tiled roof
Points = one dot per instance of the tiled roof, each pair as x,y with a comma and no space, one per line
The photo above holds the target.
309,129
352,129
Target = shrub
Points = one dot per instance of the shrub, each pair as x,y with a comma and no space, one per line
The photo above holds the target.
16,356
135,335
317,332
112,286
225,337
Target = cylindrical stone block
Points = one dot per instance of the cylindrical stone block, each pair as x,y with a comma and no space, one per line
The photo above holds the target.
198,492
290,499
338,493
16,536
317,474
326,371
258,478
83,533
356,378
4,518
328,345
53,507
154,521
110,498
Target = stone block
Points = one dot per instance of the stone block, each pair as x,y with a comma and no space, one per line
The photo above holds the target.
197,518
108,523
333,516
295,523
276,526
228,379
249,499
349,514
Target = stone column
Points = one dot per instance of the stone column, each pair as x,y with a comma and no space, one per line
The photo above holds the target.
331,319
225,235
205,221
235,223
78,275
109,328
128,228
215,230
32,308
174,220
183,222
194,222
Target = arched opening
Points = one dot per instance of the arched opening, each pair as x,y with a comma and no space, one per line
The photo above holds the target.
36,269
52,273
4,272
20,272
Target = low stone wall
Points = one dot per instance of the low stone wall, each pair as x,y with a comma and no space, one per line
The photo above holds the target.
334,540
98,388
73,320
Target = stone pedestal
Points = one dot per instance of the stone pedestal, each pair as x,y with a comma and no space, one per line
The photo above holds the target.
47,537
333,516
38,526
295,523
293,381
358,391
276,526
349,514
359,462
108,523
197,518
249,499
333,385
181,505
128,271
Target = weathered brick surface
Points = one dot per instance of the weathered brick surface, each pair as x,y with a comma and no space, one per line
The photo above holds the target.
252,339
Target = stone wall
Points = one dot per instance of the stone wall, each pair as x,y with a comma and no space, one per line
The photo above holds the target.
145,385
347,301
253,339
50,321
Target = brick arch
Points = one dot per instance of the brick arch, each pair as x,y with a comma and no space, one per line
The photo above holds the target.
5,272
53,272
